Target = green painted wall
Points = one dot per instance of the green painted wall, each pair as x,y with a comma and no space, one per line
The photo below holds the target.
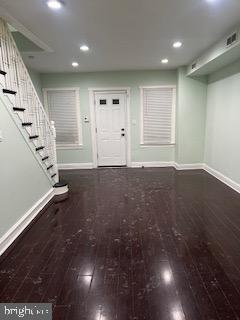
134,80
191,116
23,182
36,80
222,142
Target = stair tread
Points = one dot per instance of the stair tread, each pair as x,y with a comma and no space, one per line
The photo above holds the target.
25,124
39,148
53,175
3,72
18,109
49,167
9,91
45,158
33,137
60,184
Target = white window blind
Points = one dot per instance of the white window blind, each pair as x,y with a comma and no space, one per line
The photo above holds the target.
63,105
158,115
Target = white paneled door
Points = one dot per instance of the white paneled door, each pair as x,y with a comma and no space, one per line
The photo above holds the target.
111,128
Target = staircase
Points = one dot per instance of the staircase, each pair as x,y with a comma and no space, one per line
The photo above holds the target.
25,106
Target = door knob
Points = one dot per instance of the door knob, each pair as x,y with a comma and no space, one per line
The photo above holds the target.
122,129
123,134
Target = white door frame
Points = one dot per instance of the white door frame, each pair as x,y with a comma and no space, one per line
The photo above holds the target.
92,92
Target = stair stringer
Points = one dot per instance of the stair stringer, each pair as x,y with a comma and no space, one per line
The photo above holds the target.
17,120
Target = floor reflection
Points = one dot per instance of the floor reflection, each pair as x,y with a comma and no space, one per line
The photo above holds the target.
167,276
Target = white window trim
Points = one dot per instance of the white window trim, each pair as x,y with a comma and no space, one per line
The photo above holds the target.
173,134
79,123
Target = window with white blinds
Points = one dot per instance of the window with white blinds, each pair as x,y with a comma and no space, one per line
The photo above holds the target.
158,115
63,108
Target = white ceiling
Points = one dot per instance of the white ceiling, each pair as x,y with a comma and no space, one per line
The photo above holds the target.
123,34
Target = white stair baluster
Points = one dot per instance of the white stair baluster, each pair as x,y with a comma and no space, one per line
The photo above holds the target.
28,107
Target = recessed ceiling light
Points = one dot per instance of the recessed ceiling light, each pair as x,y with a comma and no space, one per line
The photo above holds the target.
177,44
84,48
54,4
164,61
75,64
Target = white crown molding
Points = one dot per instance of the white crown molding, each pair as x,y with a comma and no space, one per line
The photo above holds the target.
11,235
74,166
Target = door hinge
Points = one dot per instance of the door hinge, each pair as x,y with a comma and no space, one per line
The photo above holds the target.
96,130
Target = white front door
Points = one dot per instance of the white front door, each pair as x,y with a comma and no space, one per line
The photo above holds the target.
111,128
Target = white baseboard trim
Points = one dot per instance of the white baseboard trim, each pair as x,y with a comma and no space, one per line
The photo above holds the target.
72,166
147,164
162,164
229,182
189,166
11,235
153,164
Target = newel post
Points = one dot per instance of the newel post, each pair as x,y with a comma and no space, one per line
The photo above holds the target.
55,150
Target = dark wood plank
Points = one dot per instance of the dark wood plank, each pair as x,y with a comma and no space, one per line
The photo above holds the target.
132,244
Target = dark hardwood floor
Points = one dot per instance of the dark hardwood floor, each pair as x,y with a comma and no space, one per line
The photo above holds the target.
132,244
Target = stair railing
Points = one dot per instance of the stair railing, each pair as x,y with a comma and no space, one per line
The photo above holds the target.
26,103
